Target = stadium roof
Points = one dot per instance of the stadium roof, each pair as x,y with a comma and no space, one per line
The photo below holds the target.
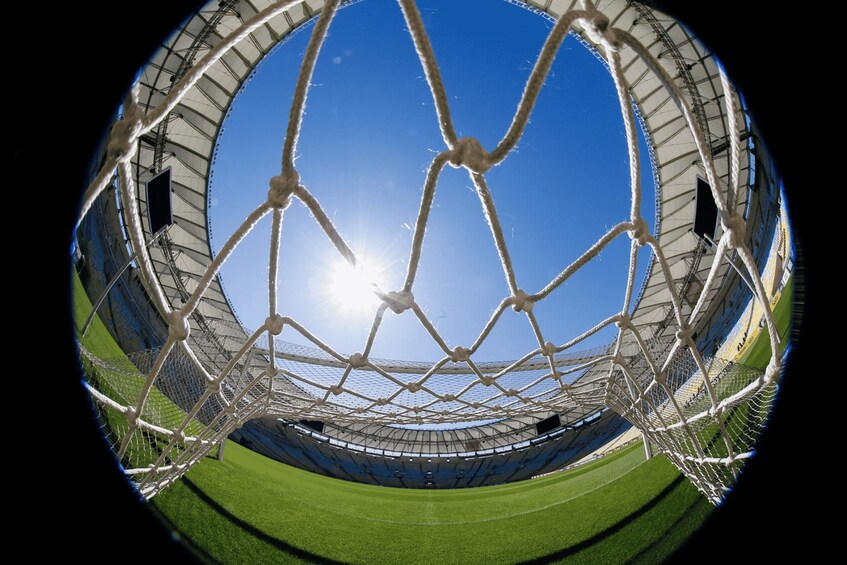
186,141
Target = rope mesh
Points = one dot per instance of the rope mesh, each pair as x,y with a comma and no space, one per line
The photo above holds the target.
164,409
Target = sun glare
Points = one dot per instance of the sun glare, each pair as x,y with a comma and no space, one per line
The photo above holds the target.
352,288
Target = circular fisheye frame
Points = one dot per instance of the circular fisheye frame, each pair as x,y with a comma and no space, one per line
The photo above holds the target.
528,263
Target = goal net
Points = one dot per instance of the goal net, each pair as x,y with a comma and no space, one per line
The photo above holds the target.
167,408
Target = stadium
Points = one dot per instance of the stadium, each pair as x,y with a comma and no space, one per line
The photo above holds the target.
252,446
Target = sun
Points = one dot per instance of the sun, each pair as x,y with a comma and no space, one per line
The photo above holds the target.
351,288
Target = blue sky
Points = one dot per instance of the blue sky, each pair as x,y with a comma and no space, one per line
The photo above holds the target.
368,136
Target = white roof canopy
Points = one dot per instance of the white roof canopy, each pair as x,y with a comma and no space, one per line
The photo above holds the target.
186,141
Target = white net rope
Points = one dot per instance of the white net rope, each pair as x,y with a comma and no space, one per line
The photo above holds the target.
167,410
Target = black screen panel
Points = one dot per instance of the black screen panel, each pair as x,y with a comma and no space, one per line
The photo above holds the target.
159,208
548,424
706,214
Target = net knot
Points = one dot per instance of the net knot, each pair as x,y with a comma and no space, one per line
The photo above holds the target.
549,349
357,361
320,402
599,31
683,334
382,401
230,409
511,392
448,398
274,324
131,416
467,152
661,377
271,370
486,380
399,302
124,133
413,387
178,328
282,187
360,410
734,230
335,389
213,386
772,370
640,231
521,302
460,354
623,322
476,405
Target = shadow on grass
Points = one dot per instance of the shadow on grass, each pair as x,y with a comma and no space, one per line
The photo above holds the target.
645,553
313,558
617,526
252,530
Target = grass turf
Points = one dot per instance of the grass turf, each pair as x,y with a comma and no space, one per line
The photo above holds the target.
251,508
124,387
97,339
759,352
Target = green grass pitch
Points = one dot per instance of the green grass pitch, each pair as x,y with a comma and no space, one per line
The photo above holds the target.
248,508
